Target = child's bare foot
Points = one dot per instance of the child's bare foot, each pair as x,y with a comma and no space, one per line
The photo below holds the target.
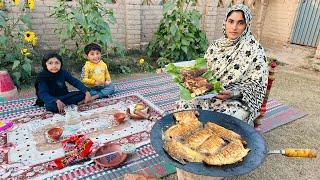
94,97
81,102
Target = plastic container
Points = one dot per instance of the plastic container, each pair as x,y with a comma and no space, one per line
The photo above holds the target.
7,88
5,125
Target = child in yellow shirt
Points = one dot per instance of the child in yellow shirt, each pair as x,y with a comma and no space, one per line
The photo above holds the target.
95,74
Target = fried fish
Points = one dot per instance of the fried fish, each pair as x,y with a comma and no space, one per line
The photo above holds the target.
224,133
195,140
198,85
212,145
231,153
185,117
187,140
181,152
180,131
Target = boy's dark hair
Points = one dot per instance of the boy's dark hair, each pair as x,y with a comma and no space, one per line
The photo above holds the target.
91,47
49,56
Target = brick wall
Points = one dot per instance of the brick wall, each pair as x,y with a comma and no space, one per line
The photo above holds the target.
135,27
279,20
137,23
150,18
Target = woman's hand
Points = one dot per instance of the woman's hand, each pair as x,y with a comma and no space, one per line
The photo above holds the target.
60,106
87,98
224,94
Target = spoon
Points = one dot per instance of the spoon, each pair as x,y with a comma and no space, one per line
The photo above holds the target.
128,148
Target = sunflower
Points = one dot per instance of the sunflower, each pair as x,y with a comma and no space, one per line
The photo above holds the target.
31,4
30,36
34,41
16,2
2,4
141,61
25,52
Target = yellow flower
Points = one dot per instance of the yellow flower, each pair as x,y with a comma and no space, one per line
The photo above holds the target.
2,4
31,4
141,61
16,2
30,36
25,52
34,41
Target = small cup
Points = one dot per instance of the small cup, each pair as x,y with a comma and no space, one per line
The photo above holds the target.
55,133
119,117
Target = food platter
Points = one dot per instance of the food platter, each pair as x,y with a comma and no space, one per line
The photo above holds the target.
254,140
194,80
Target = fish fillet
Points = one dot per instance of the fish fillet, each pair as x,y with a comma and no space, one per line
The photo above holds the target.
185,117
196,139
212,145
181,152
231,153
179,131
223,132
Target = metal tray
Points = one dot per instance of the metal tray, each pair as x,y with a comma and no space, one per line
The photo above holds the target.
255,142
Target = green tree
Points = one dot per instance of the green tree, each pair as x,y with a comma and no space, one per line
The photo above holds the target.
178,37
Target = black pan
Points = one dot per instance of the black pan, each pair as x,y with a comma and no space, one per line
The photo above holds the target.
255,142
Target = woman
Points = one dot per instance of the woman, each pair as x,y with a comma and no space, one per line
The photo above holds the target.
238,61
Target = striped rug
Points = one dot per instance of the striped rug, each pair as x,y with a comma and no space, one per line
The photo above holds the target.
160,90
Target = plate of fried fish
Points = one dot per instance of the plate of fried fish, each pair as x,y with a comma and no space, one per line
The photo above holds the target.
208,143
194,80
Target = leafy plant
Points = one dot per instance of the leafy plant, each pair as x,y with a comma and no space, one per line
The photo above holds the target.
145,66
200,63
179,37
83,22
162,62
16,41
125,69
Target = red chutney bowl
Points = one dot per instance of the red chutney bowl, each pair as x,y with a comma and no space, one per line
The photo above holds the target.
119,117
111,160
55,133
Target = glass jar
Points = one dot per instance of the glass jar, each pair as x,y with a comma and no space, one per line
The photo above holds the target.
73,121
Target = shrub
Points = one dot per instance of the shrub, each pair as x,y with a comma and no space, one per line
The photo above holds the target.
178,37
83,22
17,41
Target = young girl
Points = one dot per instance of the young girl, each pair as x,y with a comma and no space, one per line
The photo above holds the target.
51,89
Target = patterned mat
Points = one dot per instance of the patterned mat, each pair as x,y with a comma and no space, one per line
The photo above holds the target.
161,91
145,161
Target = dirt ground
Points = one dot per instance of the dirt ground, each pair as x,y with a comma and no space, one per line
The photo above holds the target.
297,84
